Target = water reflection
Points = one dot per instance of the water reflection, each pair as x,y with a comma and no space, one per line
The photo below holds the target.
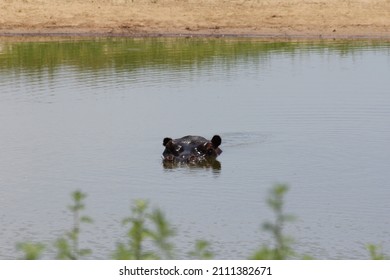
212,164
130,54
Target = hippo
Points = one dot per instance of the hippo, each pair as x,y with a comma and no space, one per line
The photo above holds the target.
191,149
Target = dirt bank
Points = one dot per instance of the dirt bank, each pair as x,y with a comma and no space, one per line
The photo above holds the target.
270,18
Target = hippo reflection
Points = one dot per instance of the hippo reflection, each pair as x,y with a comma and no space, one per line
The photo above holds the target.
192,150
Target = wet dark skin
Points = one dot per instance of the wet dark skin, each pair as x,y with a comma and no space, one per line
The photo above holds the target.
191,149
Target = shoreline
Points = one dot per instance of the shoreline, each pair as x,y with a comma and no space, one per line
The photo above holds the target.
103,34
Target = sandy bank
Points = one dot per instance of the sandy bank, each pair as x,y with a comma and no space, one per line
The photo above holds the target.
269,18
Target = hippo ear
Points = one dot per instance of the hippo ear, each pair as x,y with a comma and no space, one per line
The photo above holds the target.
216,141
166,140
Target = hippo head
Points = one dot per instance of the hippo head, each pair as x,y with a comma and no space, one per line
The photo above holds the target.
191,149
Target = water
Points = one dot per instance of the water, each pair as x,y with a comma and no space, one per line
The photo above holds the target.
92,114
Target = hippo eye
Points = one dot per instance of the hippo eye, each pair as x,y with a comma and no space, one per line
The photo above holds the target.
210,152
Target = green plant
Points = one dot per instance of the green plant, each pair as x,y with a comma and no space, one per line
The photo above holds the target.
376,252
149,235
31,251
68,246
146,226
162,233
282,248
201,251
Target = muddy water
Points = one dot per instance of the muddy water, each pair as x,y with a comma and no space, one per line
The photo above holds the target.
92,114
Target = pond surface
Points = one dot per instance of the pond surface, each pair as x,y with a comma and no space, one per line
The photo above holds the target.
91,115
